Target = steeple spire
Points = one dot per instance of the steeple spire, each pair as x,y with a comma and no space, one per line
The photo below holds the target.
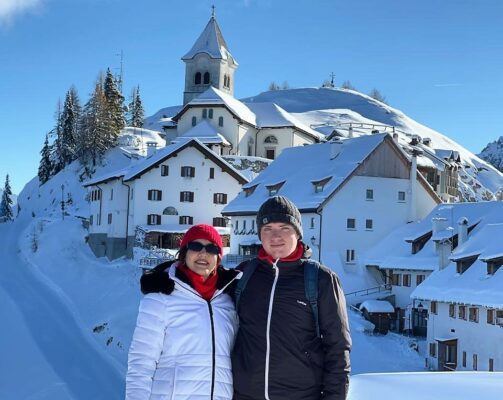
213,11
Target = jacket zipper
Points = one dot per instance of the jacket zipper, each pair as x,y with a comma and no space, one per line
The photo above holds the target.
268,331
213,361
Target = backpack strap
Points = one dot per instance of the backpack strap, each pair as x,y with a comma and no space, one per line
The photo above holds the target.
248,271
311,269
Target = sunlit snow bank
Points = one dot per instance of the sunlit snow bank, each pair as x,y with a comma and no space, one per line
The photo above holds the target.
427,386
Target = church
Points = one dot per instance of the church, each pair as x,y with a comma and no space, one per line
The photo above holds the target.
215,117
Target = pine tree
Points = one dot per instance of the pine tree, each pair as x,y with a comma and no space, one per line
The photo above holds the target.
6,203
136,111
95,134
57,161
114,104
45,166
69,127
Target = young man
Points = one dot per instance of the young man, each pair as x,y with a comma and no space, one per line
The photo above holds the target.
281,351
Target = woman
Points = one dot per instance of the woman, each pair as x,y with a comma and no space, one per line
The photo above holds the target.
183,338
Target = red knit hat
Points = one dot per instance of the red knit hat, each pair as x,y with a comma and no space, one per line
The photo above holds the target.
202,231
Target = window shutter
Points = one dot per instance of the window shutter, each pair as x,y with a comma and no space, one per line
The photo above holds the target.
150,195
225,198
191,196
160,195
181,196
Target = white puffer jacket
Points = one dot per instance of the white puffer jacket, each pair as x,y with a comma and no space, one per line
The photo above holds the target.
181,346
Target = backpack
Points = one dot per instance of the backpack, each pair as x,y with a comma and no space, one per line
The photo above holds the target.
311,269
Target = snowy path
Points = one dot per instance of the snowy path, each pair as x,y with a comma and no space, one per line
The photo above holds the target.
42,340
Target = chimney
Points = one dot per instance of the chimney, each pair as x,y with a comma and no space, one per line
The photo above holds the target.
350,131
414,141
462,230
395,136
151,148
439,224
413,188
443,251
427,141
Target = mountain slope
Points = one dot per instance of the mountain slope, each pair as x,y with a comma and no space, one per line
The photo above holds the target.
493,153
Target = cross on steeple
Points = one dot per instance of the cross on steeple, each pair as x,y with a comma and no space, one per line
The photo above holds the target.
213,11
332,84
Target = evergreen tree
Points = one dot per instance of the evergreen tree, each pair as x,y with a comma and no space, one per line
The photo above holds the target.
6,203
45,166
95,133
57,161
69,127
114,104
347,85
136,111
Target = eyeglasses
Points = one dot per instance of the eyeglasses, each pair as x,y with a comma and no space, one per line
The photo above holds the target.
210,247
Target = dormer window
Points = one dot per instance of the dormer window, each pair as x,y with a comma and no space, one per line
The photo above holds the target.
320,185
493,265
249,190
274,189
465,263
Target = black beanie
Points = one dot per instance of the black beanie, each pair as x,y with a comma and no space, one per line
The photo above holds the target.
279,209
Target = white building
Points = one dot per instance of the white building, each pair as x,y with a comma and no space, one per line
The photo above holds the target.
350,192
465,297
227,125
409,254
159,198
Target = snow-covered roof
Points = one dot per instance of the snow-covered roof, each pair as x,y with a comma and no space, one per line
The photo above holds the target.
481,244
270,115
377,306
317,162
177,228
106,177
213,96
395,250
206,133
212,42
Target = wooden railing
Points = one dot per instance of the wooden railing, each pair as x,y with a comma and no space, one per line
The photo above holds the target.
376,289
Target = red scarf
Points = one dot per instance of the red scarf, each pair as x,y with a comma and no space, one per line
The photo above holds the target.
295,256
206,288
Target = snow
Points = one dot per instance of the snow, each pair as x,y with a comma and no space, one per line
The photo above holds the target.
427,386
377,306
206,133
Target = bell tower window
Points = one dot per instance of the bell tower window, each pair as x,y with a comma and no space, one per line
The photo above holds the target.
197,78
206,78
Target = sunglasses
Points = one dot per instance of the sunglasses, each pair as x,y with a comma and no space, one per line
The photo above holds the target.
210,247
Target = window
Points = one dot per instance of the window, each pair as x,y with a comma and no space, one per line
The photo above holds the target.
132,194
194,121
274,189
98,219
155,195
311,225
206,78
210,113
212,173
401,196
464,359
406,280
153,219
220,121
452,310
109,218
271,140
249,190
91,219
320,185
369,224
433,349
396,279
464,264
197,78
419,279
187,197
270,154
433,307
96,195
350,256
351,223
111,194
493,266
164,170
473,314
491,364
491,317
462,312
170,211
205,113
220,198
219,221
188,172
474,362
369,194
186,220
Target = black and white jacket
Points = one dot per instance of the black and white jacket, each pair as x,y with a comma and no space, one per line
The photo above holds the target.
182,343
277,354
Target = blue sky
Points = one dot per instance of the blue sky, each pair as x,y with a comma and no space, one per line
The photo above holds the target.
440,62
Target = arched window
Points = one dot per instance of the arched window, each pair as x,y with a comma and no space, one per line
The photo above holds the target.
197,78
271,140
220,121
206,78
170,211
226,81
210,113
194,121
205,112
